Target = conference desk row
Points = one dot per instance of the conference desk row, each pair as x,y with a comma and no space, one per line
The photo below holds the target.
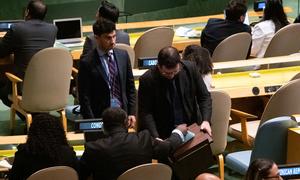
237,85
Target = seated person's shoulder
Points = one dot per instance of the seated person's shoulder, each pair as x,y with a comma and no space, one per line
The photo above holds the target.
144,133
215,20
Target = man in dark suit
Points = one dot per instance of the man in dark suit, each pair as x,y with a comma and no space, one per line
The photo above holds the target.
105,76
108,11
109,157
172,93
216,30
24,39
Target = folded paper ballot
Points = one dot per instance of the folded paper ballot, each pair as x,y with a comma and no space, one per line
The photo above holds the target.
4,163
189,135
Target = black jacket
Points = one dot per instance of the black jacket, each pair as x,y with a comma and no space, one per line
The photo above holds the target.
93,89
109,157
154,110
216,30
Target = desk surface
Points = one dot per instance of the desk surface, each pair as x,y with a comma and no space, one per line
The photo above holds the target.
241,84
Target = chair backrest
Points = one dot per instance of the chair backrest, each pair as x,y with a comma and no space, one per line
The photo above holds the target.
234,47
47,80
152,41
151,171
271,139
285,41
297,76
130,52
285,102
221,105
55,173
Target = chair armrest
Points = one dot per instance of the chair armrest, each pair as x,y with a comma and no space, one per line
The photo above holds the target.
243,119
74,70
13,78
242,114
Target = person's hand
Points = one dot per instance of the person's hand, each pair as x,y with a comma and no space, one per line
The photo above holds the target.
183,128
205,127
131,121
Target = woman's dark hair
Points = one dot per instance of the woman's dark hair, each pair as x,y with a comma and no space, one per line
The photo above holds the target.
46,135
274,11
200,56
259,169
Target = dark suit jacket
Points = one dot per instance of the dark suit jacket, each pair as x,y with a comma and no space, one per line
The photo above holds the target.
90,42
26,163
24,39
216,30
93,89
154,103
109,157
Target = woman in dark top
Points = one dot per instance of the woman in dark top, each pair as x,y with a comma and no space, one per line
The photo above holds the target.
46,146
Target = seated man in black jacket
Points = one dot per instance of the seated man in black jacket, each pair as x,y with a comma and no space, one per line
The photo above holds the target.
216,30
109,157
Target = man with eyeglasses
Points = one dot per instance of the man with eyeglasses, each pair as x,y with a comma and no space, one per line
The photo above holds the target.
172,93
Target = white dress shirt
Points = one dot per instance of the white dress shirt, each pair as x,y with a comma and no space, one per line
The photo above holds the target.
262,34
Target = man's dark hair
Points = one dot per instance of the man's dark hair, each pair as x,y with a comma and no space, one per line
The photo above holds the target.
113,117
168,57
235,9
103,26
109,11
36,9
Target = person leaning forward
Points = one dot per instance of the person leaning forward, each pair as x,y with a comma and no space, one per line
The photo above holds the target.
108,157
172,93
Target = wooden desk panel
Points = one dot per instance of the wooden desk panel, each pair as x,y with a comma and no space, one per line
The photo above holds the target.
178,42
18,139
293,146
178,21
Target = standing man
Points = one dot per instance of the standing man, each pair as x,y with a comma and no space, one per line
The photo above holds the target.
109,157
108,11
105,76
216,30
172,93
24,39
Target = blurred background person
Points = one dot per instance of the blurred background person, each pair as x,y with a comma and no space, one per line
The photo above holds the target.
207,176
202,58
274,18
217,29
261,169
108,11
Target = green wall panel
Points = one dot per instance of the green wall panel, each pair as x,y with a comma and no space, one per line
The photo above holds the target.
142,9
